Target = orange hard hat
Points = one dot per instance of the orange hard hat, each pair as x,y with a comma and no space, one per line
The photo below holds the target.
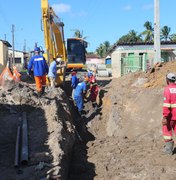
86,78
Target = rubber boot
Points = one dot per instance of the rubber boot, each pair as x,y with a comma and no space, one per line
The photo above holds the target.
43,90
81,114
168,149
39,94
95,106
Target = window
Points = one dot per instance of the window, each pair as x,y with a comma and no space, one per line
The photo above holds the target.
17,60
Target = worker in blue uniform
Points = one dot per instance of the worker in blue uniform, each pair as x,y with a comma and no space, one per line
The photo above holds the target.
79,93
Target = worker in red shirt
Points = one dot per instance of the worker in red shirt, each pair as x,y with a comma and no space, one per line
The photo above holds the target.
94,89
169,113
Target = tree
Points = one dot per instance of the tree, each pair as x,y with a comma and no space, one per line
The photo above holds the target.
149,32
173,37
165,31
131,37
103,49
78,34
107,46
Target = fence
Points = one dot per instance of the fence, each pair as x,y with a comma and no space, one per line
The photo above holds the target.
133,64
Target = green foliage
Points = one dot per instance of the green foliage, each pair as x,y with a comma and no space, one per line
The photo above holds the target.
103,49
173,37
79,34
149,32
165,31
131,37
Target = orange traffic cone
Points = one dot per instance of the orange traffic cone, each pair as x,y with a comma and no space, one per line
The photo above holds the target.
16,74
6,75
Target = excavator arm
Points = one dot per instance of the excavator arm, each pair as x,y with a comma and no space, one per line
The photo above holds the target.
54,38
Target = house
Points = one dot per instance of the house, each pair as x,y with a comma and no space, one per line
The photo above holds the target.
4,45
131,57
20,58
92,60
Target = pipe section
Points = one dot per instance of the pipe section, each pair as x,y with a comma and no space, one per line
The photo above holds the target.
17,147
24,142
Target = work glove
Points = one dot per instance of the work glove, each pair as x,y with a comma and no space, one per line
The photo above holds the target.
29,75
164,121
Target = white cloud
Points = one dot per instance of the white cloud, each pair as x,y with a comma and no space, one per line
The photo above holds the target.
127,8
61,8
147,6
80,14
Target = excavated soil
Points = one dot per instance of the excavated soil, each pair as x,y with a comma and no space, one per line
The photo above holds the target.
51,133
123,140
128,138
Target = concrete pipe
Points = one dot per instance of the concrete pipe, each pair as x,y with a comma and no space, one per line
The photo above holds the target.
103,73
101,67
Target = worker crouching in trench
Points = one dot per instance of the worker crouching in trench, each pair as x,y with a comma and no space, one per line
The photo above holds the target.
79,94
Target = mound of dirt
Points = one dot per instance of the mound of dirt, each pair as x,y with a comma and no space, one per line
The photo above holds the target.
128,135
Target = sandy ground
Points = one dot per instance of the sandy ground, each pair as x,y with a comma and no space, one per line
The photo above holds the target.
122,141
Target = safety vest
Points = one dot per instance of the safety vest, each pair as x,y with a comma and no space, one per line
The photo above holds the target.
169,105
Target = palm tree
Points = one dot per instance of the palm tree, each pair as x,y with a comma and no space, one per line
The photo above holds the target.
165,33
103,49
78,34
149,32
173,37
131,37
107,46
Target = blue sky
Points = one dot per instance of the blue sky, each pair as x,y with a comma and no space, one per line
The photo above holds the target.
100,20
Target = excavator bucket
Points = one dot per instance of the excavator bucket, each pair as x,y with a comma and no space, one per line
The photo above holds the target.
6,75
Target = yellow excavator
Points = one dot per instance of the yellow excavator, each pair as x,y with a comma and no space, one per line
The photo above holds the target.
75,55
54,39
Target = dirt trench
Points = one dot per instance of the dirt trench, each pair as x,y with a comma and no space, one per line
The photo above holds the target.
57,136
127,131
122,141
51,133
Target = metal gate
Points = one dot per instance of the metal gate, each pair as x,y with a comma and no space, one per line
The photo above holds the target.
132,64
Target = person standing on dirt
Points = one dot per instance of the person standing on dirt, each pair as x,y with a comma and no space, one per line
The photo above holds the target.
79,93
169,113
53,71
74,82
93,90
40,69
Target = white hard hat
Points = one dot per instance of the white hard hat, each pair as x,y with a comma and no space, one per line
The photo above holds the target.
171,76
58,59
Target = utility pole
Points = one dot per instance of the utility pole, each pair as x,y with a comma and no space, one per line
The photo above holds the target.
157,48
24,47
5,37
13,49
